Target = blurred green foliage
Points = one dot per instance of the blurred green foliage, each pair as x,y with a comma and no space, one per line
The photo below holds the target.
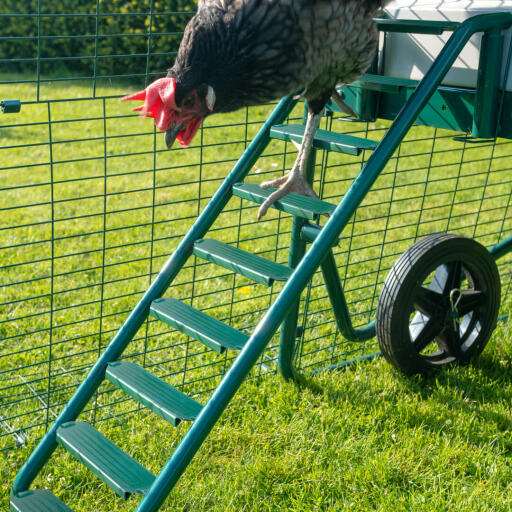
93,38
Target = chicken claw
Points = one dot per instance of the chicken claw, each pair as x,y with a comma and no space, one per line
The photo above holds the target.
292,182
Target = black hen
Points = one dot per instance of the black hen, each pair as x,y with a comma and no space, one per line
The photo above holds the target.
236,53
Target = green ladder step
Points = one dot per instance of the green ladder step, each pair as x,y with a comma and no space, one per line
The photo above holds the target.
295,204
384,83
37,501
249,265
106,460
330,141
158,396
198,325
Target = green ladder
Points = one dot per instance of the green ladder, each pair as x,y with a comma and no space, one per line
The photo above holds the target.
117,469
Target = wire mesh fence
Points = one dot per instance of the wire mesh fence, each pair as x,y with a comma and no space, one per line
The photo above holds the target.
93,204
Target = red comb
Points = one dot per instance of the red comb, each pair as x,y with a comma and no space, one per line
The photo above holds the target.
159,102
141,95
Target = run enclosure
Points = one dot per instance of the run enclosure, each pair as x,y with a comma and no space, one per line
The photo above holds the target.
93,205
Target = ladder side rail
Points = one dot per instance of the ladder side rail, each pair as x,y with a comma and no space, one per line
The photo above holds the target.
271,321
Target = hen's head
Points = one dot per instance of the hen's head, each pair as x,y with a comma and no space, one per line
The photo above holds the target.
178,111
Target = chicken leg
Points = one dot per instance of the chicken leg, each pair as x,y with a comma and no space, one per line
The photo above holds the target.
294,181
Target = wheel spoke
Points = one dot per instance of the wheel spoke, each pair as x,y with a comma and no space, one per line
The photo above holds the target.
469,301
454,277
449,341
427,301
423,331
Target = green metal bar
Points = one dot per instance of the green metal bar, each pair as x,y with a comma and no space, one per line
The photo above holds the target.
339,303
38,63
52,271
501,249
485,120
95,61
150,33
342,364
103,239
288,335
91,15
76,404
416,26
271,321
366,100
336,295
310,232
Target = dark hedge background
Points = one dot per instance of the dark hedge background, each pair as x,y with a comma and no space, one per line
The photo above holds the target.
68,43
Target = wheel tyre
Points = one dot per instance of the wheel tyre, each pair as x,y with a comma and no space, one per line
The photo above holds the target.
414,322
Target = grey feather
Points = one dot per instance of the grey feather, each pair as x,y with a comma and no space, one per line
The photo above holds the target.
253,51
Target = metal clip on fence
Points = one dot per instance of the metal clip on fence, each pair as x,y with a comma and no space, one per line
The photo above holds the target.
10,106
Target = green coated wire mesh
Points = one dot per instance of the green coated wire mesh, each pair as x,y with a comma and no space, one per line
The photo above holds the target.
93,204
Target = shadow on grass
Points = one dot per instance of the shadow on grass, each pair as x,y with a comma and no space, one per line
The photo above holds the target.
469,402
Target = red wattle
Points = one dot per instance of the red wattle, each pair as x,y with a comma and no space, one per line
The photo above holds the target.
187,134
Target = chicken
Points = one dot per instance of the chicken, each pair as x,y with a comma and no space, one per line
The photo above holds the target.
237,53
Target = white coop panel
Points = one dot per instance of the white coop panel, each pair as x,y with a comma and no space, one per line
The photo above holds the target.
410,55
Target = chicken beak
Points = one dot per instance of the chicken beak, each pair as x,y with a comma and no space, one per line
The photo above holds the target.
172,133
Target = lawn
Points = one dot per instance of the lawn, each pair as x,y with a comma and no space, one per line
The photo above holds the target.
87,221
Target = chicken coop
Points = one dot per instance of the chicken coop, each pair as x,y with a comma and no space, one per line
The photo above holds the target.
108,235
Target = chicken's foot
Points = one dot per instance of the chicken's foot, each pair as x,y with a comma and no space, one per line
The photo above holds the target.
294,181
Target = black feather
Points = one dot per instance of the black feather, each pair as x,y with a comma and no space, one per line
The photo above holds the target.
254,51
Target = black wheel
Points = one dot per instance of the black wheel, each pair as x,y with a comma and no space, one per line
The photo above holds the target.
439,304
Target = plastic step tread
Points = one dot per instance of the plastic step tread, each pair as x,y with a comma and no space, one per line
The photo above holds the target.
295,204
330,141
384,83
106,460
158,396
254,267
37,501
198,325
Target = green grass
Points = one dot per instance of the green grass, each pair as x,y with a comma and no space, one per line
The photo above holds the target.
364,438
360,439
